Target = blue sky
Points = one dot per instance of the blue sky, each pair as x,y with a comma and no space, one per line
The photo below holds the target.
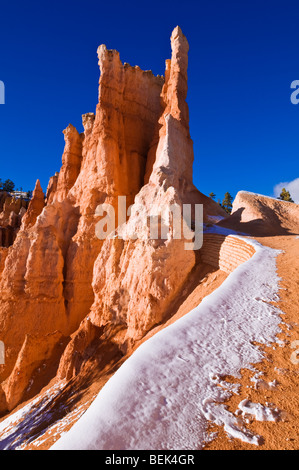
243,58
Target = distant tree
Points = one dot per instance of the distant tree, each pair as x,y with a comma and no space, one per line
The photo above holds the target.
227,202
1,185
29,194
285,195
212,195
8,186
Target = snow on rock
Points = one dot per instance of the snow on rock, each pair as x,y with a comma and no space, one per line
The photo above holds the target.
19,428
261,384
258,411
166,393
233,426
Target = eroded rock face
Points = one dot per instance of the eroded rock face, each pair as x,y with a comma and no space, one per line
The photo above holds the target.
12,211
58,278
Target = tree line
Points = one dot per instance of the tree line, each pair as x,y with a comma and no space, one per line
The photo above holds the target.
9,186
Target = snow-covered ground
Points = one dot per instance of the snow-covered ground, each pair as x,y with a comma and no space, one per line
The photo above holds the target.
166,393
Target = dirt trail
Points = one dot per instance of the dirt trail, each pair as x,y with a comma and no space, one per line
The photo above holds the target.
279,364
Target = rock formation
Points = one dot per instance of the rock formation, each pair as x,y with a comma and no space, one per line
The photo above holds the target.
68,288
129,275
71,164
11,212
35,207
262,215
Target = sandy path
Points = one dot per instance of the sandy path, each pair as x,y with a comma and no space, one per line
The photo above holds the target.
279,365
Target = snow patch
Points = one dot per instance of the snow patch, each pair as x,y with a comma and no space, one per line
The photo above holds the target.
258,411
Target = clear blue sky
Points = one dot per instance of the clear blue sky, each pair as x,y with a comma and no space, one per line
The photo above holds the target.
243,57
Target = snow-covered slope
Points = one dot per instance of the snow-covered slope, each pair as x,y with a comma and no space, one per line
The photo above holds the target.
163,396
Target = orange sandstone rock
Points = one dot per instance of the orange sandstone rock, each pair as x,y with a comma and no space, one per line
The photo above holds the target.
130,283
58,276
12,210
35,351
36,205
71,163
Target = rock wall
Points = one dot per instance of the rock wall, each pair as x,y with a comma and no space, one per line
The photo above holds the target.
225,252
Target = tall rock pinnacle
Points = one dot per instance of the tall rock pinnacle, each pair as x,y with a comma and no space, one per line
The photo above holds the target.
36,206
174,155
176,87
120,267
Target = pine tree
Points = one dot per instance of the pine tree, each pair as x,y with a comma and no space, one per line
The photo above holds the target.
8,186
285,195
227,202
212,195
